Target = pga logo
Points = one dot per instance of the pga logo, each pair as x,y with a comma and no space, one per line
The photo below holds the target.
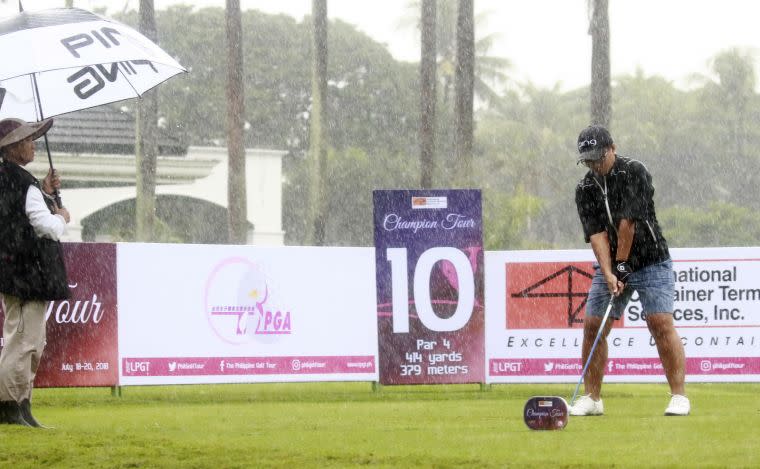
241,304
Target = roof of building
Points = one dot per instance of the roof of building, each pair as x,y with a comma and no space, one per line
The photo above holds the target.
104,130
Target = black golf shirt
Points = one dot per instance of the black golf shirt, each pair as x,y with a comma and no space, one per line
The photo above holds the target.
629,191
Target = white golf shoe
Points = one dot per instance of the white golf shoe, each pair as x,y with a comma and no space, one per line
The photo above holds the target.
679,405
585,405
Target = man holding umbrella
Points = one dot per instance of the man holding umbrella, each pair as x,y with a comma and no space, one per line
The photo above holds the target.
32,271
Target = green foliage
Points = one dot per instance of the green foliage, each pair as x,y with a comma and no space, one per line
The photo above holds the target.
719,224
524,156
506,219
490,71
318,425
702,146
353,174
371,97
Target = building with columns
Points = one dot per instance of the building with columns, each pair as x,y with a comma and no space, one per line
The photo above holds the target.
93,152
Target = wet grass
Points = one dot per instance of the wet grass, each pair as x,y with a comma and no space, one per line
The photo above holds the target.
350,425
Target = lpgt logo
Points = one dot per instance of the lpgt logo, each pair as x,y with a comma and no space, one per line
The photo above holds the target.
512,367
137,367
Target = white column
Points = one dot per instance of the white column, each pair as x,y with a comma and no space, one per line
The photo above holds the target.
263,171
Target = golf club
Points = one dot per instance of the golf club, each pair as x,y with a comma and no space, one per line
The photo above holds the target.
593,347
551,412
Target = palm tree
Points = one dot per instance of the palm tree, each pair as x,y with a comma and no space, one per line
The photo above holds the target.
146,147
489,70
736,74
465,80
318,120
599,29
427,92
236,191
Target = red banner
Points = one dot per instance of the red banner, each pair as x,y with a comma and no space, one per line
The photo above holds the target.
548,295
82,335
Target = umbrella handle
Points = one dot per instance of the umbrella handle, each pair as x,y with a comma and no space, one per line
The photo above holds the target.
56,194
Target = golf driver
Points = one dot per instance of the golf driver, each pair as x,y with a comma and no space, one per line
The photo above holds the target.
593,347
551,412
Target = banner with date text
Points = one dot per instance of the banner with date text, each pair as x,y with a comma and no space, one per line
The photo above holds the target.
429,264
82,347
536,305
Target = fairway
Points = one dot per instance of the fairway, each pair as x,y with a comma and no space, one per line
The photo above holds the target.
350,425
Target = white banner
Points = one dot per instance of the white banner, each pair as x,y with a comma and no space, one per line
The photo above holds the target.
535,307
224,314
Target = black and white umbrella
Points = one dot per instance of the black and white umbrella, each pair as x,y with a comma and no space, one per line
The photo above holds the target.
66,59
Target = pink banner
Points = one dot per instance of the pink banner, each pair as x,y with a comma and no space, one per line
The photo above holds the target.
622,366
220,366
82,338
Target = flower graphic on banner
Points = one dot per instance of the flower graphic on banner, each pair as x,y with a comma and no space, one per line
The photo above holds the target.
240,303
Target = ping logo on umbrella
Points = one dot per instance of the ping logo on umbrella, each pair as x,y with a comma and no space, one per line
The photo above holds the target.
90,80
105,35
91,61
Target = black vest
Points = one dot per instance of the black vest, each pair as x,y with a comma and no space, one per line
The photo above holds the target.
31,267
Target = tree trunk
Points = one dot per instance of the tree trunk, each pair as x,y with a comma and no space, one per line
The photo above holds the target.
317,122
236,191
601,92
428,65
146,145
465,86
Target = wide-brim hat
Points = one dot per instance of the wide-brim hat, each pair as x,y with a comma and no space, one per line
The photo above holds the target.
15,130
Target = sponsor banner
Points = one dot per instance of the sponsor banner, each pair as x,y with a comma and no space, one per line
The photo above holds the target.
429,264
216,366
82,347
269,305
536,305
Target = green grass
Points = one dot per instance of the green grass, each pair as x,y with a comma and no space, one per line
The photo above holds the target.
350,425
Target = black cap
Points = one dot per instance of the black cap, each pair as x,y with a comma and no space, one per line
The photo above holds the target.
592,143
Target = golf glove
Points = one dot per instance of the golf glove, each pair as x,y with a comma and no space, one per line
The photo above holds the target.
622,271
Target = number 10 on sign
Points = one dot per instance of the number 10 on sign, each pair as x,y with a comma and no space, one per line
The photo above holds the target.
421,288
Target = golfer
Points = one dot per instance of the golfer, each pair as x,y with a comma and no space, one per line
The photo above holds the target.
616,209
32,271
